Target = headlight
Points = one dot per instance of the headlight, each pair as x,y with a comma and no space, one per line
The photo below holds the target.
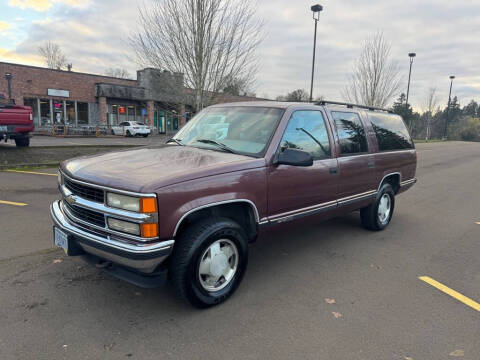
144,205
123,202
124,226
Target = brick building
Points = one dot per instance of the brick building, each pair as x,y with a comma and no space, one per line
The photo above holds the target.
79,99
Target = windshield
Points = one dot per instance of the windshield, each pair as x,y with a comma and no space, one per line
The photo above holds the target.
243,129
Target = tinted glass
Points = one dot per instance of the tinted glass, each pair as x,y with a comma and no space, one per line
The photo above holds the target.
306,131
245,129
351,133
391,132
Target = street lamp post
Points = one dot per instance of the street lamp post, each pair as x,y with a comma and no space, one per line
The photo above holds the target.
9,77
445,132
411,55
316,15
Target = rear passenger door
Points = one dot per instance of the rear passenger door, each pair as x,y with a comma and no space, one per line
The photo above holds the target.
356,163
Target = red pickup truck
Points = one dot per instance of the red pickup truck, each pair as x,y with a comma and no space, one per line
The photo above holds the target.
16,122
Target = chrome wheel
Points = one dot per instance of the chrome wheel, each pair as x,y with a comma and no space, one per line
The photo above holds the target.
384,208
218,265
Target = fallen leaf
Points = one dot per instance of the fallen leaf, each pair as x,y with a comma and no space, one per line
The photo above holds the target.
138,293
457,353
330,301
57,261
336,314
408,358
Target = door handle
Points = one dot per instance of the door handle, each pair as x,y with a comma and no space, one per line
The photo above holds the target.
333,170
371,163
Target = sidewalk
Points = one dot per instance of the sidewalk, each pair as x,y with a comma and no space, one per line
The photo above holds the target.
41,140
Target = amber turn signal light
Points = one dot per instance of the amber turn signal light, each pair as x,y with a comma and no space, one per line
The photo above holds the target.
148,205
149,230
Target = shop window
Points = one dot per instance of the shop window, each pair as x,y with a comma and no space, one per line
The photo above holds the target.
70,107
112,114
44,112
33,104
131,113
58,112
82,109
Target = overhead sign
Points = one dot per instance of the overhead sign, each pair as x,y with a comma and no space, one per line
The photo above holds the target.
56,92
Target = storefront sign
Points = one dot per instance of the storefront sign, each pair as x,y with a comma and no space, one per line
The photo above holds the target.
56,92
122,110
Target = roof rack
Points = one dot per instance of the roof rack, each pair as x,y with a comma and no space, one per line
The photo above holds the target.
351,106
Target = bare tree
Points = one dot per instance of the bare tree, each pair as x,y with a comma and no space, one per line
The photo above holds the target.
53,55
118,73
375,78
298,95
431,102
209,41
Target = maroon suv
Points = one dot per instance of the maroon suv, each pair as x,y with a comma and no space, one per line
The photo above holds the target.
188,209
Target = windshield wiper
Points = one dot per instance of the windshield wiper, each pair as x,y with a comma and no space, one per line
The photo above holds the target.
176,141
216,143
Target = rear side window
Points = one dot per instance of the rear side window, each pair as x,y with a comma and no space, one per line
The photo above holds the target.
391,132
351,133
306,131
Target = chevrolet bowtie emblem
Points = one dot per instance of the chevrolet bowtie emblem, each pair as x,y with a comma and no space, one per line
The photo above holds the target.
70,199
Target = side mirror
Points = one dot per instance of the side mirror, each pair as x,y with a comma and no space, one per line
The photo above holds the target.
295,157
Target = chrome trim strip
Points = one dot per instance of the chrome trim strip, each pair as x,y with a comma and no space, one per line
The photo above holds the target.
291,215
255,210
393,173
357,197
132,193
408,182
95,206
60,221
106,228
305,213
303,210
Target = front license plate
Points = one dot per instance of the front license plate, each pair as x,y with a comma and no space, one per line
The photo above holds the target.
61,239
3,129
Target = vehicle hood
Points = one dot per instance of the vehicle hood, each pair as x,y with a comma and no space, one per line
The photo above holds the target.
149,168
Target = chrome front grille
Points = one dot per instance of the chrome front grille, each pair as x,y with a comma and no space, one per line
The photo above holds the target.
84,191
86,215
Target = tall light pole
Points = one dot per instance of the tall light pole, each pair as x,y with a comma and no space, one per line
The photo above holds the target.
316,15
445,132
411,55
9,77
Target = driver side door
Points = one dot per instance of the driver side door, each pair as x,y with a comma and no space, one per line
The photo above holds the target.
297,191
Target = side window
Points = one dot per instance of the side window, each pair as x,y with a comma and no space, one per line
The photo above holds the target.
391,132
306,131
351,133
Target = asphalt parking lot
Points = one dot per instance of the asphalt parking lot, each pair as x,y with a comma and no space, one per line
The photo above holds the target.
320,291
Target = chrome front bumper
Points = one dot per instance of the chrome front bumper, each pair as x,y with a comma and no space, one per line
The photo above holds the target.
143,257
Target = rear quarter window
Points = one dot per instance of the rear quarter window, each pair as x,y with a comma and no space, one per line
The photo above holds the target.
391,132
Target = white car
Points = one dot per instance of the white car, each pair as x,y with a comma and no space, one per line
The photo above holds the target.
131,128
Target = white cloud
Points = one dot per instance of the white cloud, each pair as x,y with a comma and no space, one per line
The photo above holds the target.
44,5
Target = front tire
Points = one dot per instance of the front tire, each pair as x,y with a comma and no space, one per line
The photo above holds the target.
208,261
377,215
22,142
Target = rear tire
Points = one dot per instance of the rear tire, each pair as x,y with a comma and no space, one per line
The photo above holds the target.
22,142
377,215
128,134
197,261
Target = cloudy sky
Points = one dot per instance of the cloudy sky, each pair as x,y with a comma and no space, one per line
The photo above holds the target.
444,34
